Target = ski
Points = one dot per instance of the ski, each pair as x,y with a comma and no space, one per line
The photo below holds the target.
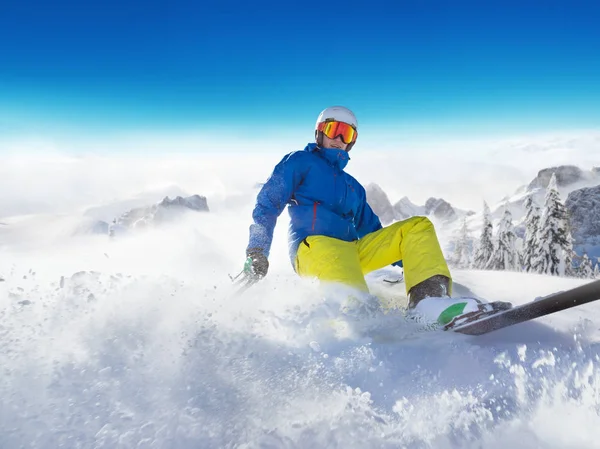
477,325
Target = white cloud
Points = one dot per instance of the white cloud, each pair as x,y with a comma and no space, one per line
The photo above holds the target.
58,177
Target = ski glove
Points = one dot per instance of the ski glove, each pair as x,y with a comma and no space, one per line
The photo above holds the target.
256,264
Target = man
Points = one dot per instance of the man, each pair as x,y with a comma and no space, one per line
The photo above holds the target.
334,234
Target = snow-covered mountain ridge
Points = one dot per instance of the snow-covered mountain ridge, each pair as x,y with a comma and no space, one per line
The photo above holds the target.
583,206
438,208
579,190
566,175
152,215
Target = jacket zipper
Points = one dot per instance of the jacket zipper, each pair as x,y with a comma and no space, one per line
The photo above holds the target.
315,204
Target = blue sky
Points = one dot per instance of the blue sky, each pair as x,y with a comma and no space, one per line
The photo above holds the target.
422,66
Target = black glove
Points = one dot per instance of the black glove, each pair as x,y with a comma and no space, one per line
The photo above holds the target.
257,263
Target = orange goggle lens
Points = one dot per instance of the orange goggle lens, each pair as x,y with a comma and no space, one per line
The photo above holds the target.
334,129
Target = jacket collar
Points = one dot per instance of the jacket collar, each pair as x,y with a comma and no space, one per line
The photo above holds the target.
334,157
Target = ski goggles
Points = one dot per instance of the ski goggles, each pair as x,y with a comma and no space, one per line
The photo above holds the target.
334,129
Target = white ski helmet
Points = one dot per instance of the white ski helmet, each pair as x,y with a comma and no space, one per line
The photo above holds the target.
338,114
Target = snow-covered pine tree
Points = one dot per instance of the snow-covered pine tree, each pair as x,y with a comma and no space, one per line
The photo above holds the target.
461,257
485,246
596,271
568,253
505,255
585,267
555,244
532,223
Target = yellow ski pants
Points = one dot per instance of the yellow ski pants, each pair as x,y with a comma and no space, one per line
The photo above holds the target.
413,241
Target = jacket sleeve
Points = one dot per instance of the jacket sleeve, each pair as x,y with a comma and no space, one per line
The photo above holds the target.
366,221
274,195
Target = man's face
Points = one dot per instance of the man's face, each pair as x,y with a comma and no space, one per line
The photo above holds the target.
334,143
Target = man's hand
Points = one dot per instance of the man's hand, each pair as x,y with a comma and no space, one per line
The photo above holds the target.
257,264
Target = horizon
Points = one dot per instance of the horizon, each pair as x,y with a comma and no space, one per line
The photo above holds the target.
463,173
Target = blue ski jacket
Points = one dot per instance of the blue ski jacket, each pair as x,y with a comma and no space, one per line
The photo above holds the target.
322,199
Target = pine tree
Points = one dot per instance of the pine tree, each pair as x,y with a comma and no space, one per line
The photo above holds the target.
554,253
596,271
585,267
505,255
461,257
568,254
532,222
485,247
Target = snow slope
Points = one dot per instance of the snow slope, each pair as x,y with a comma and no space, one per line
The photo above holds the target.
140,342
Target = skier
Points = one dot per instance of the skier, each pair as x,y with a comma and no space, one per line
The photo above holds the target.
334,234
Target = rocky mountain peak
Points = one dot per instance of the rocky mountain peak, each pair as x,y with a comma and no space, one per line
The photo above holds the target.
565,175
194,202
440,209
404,208
380,203
583,206
156,214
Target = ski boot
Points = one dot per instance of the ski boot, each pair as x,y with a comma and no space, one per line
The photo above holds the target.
430,300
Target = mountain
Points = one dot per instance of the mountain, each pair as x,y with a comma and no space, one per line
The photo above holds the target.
566,175
405,208
380,203
583,206
578,188
108,212
160,213
142,217
438,208
569,179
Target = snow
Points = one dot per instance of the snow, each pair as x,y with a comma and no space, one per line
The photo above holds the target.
140,342
144,346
